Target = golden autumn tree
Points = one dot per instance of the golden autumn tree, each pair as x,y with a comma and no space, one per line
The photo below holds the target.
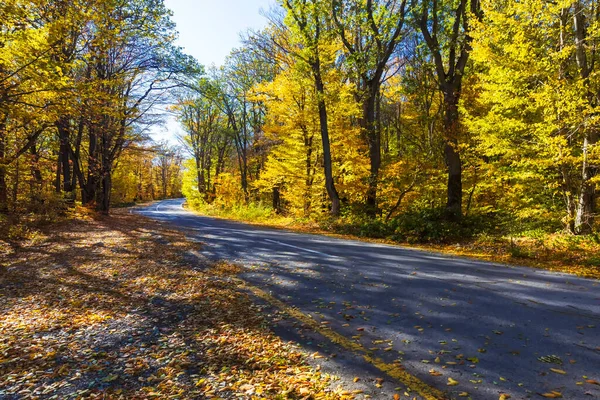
310,27
537,114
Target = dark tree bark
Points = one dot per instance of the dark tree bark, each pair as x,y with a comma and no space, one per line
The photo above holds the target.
106,187
36,175
310,170
35,167
334,197
3,187
277,199
17,179
452,155
64,135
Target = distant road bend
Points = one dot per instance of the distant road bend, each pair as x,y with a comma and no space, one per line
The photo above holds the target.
492,328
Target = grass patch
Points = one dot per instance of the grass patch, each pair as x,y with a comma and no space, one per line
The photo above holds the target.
114,308
252,212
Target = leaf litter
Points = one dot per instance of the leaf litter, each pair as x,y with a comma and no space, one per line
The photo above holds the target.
114,308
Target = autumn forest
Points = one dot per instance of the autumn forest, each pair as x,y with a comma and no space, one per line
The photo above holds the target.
388,115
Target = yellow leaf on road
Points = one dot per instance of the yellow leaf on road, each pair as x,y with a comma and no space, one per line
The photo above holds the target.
452,382
552,395
558,371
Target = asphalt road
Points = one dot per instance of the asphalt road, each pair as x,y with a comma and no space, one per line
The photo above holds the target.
492,328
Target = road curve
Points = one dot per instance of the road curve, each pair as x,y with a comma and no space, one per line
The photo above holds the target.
492,328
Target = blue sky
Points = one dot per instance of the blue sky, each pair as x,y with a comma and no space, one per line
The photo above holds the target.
208,30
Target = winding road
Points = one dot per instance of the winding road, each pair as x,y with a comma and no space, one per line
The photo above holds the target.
468,328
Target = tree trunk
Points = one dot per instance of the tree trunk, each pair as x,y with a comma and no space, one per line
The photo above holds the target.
88,195
584,218
106,186
245,179
37,181
208,179
57,177
308,143
75,156
3,188
64,135
567,192
200,172
276,199
165,179
105,169
16,185
329,183
451,154
374,141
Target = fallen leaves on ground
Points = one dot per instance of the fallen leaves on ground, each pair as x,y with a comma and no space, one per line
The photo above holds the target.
114,308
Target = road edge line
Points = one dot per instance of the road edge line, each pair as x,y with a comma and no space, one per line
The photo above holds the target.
394,371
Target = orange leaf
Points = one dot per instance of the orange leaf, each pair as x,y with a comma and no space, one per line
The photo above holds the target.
552,395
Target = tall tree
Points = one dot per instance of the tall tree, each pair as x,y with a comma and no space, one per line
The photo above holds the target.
207,139
370,32
585,17
134,62
446,29
312,28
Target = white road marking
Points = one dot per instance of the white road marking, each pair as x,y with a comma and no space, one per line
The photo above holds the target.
300,248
